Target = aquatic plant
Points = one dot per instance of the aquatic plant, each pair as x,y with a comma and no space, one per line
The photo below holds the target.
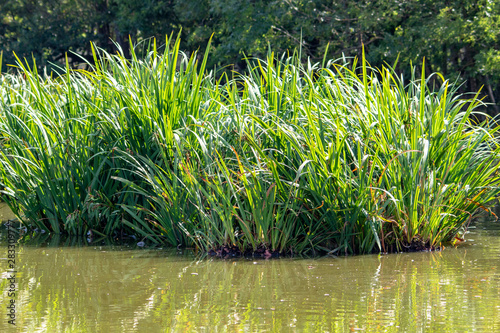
335,157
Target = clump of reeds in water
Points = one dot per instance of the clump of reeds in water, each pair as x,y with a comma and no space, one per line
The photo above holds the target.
285,158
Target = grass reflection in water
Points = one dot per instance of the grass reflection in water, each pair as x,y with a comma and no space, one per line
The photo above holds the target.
113,289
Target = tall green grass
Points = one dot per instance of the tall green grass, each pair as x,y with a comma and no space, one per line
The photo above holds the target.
293,158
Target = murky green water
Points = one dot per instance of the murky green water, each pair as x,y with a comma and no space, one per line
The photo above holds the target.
119,289
5,212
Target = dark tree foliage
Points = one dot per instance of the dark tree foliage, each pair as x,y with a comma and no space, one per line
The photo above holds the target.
459,38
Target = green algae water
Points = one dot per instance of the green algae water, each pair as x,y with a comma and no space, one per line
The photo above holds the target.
84,288
5,212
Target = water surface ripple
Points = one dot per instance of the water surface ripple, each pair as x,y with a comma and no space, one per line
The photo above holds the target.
120,289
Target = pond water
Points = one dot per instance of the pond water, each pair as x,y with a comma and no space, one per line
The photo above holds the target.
83,288
5,212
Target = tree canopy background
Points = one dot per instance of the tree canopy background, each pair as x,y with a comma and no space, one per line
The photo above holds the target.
458,38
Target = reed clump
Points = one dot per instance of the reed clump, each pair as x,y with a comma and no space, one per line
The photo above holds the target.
290,158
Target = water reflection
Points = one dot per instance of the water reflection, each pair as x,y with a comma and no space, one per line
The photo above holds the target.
119,289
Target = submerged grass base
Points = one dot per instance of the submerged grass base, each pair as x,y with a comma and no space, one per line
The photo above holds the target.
226,252
337,158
